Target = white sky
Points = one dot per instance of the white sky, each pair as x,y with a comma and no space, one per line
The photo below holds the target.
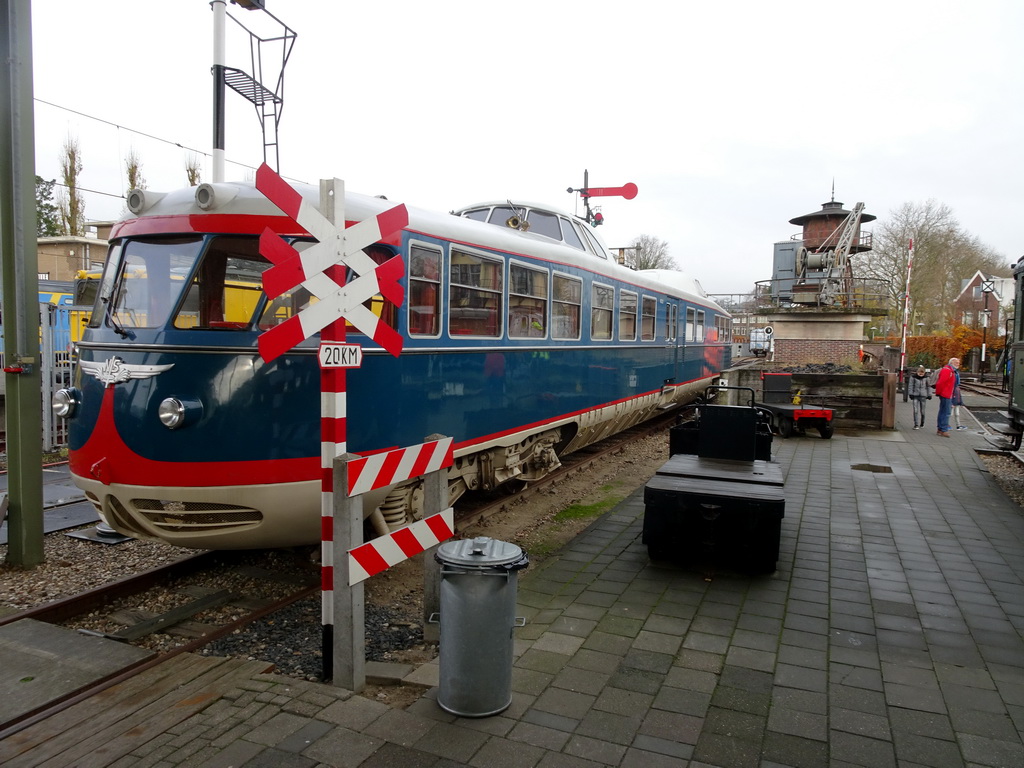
731,118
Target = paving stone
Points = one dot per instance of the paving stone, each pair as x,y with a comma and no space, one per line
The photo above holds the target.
277,728
596,750
393,756
610,726
451,741
399,727
719,749
923,750
581,680
339,741
860,750
502,753
539,736
268,758
682,701
305,736
985,751
795,752
568,703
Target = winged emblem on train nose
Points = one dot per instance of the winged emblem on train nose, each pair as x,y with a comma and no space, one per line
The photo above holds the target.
114,370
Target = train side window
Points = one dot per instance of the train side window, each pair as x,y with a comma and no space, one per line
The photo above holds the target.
671,322
570,235
500,214
602,307
544,223
699,328
475,295
627,316
527,302
595,247
424,291
288,303
566,307
226,288
381,307
691,324
648,317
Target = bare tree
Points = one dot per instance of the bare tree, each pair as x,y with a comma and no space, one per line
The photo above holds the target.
648,252
944,255
193,170
133,166
69,201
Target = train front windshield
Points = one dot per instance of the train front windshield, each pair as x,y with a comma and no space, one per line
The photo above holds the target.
200,281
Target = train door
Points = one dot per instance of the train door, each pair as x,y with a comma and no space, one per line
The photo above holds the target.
674,340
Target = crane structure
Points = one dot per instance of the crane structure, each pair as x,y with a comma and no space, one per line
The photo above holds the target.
831,260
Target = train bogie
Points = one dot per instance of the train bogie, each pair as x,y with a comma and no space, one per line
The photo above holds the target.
522,347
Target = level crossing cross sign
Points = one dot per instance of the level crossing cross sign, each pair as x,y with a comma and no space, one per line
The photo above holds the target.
335,245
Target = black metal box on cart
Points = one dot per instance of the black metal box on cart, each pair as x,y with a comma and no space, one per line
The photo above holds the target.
717,512
723,432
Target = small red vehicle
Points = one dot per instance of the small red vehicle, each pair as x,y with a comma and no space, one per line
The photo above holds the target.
788,416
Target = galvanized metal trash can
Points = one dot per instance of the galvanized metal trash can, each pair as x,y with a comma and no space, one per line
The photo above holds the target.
479,578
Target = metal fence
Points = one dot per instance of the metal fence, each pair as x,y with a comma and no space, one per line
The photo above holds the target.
56,366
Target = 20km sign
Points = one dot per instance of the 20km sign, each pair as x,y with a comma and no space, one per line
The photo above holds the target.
336,355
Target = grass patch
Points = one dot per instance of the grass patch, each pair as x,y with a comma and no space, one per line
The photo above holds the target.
584,511
564,525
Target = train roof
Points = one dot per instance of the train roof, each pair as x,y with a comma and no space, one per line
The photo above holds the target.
222,199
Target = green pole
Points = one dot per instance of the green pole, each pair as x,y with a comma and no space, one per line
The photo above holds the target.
20,290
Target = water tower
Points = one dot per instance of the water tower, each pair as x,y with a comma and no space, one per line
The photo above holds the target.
814,267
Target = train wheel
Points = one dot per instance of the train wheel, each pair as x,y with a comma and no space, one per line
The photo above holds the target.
786,426
827,430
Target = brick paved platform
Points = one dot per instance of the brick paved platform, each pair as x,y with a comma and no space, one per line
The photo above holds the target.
892,634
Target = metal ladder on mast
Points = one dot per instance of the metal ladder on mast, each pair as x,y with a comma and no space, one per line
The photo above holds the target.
268,103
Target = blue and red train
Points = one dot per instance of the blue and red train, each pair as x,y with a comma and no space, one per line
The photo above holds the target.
523,340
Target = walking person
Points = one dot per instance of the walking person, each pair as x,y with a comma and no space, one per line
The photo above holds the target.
948,380
957,401
919,390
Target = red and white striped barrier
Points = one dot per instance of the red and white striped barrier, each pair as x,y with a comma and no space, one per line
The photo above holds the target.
385,551
371,472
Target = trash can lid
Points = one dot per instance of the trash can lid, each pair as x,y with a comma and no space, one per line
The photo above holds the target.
481,551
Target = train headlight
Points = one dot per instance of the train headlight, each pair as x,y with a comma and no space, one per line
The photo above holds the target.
65,403
175,413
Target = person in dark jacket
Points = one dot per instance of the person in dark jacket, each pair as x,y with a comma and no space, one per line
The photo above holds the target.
919,390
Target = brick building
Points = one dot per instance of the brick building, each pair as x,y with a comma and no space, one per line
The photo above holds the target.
61,257
970,306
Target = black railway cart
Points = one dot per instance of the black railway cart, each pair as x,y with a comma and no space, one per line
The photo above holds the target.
719,498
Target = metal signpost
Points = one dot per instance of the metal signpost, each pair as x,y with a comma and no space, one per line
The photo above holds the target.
321,269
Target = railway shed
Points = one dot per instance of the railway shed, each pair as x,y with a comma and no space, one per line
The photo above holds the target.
892,633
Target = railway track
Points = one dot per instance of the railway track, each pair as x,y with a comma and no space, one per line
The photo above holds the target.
198,609
192,591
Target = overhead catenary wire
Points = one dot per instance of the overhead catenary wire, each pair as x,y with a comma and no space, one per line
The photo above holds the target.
144,134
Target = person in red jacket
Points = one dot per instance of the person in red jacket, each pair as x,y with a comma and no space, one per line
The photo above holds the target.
947,381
